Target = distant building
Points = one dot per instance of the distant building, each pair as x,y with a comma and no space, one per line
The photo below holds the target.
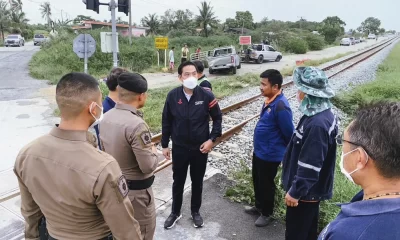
123,29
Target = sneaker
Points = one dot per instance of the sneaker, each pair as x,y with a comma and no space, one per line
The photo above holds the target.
252,210
197,220
263,221
171,220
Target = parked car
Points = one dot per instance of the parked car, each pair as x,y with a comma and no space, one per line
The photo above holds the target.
357,40
223,58
345,42
39,39
371,36
353,40
261,52
362,39
14,40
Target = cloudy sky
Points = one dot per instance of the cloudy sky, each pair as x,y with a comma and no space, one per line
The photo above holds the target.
353,12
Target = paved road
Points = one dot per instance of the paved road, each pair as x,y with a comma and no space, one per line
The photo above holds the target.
24,116
15,82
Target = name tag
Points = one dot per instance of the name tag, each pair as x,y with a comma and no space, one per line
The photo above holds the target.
198,103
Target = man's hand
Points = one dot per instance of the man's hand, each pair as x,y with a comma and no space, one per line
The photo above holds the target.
206,147
167,153
291,202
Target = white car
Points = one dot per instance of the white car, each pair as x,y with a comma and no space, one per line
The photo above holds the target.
345,42
14,40
371,36
260,53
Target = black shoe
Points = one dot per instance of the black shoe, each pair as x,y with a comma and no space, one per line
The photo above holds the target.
252,211
171,220
197,220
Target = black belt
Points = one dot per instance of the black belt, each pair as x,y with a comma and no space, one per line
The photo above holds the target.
140,184
109,237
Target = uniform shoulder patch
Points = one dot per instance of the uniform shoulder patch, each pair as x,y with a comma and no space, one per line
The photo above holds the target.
145,136
123,186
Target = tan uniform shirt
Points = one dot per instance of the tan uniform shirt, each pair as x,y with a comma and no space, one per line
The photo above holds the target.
125,135
79,189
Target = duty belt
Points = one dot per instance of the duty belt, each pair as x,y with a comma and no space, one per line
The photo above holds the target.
140,184
109,237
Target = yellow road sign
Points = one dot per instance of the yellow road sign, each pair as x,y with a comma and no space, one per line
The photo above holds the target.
161,42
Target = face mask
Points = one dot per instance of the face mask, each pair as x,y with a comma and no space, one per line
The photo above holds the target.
345,173
190,83
97,120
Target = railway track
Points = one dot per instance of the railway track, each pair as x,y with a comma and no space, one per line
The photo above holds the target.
241,120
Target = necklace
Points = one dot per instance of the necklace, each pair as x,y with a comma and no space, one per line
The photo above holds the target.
382,195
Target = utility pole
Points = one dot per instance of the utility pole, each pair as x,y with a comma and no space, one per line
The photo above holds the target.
113,6
130,22
62,18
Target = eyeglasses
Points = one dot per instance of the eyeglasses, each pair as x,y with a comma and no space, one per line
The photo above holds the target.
340,141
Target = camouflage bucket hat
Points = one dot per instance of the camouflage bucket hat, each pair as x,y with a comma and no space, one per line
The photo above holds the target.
313,81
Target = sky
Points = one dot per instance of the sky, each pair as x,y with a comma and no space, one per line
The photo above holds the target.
352,12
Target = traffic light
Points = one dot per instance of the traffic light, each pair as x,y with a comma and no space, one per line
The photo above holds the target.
92,5
123,6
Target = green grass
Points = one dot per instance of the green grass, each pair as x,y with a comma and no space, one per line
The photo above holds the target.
289,71
386,86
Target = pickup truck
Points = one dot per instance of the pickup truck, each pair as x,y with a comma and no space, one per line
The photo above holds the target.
260,53
14,40
223,58
39,39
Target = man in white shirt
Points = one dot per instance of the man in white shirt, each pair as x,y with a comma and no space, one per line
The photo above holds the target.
172,60
185,54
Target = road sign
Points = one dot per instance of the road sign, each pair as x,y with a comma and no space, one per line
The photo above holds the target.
161,42
245,40
82,45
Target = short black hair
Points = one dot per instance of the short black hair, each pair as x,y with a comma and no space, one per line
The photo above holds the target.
74,91
274,77
173,48
112,79
199,66
376,128
185,64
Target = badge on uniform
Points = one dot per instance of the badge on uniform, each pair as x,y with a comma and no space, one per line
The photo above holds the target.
269,110
123,186
146,137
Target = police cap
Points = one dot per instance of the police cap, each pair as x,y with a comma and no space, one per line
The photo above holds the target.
133,82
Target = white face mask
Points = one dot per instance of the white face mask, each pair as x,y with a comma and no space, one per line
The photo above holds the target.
348,175
190,82
97,120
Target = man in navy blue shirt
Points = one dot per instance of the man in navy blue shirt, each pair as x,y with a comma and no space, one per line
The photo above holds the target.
370,159
309,162
185,120
271,137
110,101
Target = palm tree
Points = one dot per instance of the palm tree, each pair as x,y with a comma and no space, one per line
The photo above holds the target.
4,16
207,16
16,5
18,19
151,22
45,9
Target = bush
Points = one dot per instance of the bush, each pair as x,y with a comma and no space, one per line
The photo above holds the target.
315,42
295,45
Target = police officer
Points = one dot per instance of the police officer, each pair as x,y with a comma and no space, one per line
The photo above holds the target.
125,135
186,118
79,189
